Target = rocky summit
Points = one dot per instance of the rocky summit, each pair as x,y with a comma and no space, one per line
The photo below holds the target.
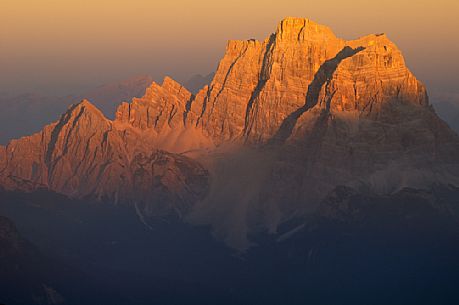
282,124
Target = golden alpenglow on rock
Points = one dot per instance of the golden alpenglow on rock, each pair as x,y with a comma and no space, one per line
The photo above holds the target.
283,122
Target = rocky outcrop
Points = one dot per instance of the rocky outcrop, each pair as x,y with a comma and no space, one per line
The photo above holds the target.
161,106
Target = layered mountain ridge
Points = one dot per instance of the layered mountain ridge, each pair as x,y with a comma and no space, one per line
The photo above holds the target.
283,122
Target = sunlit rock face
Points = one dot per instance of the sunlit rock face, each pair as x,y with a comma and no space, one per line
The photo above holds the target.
283,122
258,84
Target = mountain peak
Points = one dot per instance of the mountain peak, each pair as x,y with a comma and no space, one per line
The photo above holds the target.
161,105
85,103
84,106
294,28
171,85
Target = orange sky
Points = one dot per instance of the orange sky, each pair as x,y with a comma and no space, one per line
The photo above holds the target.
62,46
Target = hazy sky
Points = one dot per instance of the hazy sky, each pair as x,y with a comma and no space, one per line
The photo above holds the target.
63,46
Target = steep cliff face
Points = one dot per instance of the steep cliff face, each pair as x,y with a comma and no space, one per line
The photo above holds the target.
283,122
259,84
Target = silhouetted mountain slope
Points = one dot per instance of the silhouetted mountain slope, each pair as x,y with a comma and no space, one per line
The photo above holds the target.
358,248
128,261
29,277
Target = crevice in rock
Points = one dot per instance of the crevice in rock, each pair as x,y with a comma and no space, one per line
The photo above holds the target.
77,171
302,29
158,117
323,76
204,105
171,115
55,134
265,74
75,121
187,108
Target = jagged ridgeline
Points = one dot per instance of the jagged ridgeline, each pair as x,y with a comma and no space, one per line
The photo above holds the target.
282,124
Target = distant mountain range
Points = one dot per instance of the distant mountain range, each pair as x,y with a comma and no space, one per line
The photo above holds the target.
197,82
29,112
